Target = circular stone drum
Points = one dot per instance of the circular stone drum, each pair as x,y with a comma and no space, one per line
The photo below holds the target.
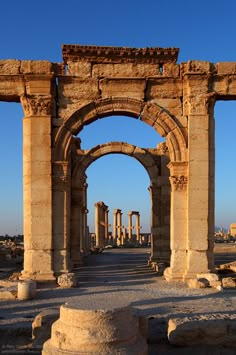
95,328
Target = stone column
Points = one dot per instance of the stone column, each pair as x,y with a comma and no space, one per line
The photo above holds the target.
37,186
76,206
97,221
200,196
106,226
61,216
138,228
178,227
199,110
115,226
130,227
119,227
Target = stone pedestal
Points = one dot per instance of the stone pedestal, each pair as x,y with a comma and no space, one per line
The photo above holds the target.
95,328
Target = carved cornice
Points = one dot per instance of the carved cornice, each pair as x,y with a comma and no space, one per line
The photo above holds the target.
97,54
179,182
37,105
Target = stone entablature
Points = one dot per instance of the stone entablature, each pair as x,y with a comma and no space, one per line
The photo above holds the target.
99,54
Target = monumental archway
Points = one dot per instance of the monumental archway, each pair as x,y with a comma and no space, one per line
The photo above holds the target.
154,162
58,99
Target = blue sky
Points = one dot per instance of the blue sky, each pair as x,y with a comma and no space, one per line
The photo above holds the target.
203,30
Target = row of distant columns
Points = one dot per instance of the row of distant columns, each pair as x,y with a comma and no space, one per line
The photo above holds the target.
119,231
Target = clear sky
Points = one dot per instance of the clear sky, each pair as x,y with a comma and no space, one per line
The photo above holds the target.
203,30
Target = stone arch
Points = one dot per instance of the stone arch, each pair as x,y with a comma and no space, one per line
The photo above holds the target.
142,155
150,113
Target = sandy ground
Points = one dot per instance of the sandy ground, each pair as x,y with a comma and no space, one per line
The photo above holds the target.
121,275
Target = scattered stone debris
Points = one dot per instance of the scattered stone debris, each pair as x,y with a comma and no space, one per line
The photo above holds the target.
41,326
67,280
228,282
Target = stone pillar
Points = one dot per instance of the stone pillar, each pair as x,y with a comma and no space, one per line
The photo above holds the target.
97,222
119,227
75,246
178,227
37,187
115,226
61,216
106,226
130,227
138,228
200,197
199,110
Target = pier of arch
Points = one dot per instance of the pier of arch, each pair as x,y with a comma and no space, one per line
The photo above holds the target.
58,99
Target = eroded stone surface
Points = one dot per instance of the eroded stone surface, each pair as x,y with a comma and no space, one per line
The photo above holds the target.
212,329
67,280
99,327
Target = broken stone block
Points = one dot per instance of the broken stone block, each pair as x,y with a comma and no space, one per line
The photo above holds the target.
228,282
205,329
208,276
216,284
8,293
67,280
198,283
41,326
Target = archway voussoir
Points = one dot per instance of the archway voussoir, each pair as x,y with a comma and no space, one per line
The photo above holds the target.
132,106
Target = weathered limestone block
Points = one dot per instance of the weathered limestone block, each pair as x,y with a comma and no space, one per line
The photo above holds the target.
228,282
216,284
210,329
86,327
208,276
41,326
197,67
9,67
164,88
8,293
198,283
229,266
67,280
80,69
36,67
224,68
125,70
134,88
171,70
72,89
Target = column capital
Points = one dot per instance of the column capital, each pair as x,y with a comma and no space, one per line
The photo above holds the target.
179,182
37,105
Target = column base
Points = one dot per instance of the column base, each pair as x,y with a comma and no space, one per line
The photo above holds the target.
193,274
171,275
37,276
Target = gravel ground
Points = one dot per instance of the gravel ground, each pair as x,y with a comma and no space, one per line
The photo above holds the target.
118,276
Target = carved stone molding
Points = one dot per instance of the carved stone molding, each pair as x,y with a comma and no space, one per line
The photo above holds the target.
179,182
37,105
163,148
102,54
